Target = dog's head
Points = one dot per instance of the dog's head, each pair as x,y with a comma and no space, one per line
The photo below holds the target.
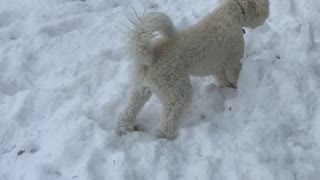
255,12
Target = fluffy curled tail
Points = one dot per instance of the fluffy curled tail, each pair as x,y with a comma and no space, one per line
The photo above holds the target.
144,29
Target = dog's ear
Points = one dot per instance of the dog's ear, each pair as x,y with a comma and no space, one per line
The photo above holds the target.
257,12
254,10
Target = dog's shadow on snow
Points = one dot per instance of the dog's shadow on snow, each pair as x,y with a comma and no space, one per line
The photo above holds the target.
208,100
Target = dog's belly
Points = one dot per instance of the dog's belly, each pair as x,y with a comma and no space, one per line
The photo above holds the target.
201,71
205,67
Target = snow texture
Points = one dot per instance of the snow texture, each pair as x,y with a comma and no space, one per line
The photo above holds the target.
64,76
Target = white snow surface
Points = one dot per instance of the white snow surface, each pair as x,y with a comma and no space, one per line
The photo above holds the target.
65,74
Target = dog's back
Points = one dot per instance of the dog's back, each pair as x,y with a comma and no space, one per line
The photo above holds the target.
215,38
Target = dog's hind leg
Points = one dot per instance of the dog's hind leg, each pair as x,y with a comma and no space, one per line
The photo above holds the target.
139,95
176,95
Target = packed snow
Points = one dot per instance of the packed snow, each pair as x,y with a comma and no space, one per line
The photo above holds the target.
65,74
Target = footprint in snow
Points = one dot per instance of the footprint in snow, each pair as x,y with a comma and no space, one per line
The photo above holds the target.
49,171
28,147
96,165
66,26
24,112
10,27
75,0
306,39
7,18
316,69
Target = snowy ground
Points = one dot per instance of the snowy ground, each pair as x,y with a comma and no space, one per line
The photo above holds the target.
64,77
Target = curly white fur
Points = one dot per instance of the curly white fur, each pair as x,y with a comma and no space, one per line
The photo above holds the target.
213,46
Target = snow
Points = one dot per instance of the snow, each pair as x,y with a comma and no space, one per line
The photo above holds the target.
64,76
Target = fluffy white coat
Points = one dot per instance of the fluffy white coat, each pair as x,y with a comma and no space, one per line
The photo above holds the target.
162,64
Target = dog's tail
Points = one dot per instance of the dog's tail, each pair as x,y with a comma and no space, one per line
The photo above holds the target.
143,33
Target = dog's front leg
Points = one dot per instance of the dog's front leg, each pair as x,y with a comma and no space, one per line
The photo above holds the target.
232,72
222,79
139,95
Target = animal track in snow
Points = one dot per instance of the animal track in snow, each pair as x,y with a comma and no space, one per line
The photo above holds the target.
96,165
24,112
317,70
7,18
10,25
66,26
306,37
49,171
29,147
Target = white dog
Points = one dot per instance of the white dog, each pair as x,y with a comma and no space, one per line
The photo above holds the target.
163,62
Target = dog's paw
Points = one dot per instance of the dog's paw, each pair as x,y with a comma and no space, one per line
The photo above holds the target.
125,128
230,85
227,85
162,134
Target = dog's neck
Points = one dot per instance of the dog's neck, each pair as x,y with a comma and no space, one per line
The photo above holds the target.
234,9
241,7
